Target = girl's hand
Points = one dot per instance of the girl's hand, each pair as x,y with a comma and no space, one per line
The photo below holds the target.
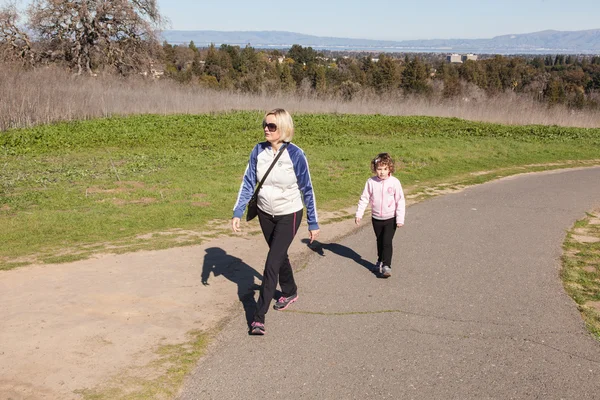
235,224
313,235
399,225
357,220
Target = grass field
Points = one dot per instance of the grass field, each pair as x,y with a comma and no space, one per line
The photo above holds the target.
69,190
581,269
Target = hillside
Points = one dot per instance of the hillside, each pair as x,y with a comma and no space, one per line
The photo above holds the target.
549,41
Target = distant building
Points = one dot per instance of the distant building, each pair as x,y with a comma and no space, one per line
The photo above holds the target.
155,72
454,58
458,59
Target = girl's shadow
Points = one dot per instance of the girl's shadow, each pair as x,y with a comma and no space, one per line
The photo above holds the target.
342,251
219,262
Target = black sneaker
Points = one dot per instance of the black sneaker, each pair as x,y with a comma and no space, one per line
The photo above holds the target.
284,302
257,328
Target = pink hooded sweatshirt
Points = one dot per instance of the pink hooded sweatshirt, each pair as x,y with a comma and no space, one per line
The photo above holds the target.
386,198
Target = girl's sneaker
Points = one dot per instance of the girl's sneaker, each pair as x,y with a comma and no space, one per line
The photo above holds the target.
284,302
257,328
378,266
386,271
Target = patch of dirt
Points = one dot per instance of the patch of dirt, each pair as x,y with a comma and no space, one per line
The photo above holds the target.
585,239
122,202
589,233
200,204
23,391
181,233
594,304
74,326
433,191
94,190
480,173
122,187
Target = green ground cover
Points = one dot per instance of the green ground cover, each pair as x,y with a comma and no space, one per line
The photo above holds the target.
581,269
69,190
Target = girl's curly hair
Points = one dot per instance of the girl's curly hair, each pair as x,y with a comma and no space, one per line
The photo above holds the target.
382,159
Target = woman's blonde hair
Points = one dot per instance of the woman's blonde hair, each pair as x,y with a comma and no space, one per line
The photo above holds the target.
284,123
382,159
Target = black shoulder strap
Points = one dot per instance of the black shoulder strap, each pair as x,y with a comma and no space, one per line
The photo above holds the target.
270,168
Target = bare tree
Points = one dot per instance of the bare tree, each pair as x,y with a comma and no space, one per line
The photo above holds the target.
15,44
88,34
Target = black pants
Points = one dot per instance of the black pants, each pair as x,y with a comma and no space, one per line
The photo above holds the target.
279,231
384,231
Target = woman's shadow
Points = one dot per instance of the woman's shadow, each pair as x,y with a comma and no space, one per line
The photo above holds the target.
219,262
342,251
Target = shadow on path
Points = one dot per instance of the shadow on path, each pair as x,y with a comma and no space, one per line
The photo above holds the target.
341,251
219,262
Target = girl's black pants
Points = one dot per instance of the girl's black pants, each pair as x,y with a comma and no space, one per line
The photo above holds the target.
384,231
279,231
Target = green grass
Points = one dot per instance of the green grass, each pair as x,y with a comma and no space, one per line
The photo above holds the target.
581,270
71,189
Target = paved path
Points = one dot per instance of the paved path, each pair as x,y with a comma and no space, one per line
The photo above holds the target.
475,309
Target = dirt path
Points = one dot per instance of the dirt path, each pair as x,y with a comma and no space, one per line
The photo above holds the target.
71,327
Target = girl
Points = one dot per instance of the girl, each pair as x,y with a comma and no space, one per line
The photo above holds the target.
384,193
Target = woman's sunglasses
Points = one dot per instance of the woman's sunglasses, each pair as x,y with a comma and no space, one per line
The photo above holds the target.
272,127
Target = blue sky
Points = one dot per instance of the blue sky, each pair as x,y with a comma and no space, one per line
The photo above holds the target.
380,19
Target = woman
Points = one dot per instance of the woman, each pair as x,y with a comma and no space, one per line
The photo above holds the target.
281,200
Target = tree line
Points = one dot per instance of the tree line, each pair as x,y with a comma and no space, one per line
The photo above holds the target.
571,80
121,37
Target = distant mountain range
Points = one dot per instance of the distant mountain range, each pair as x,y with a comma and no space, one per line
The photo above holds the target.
544,42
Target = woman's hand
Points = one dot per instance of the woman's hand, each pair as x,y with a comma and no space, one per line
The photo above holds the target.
399,225
235,224
357,220
313,235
